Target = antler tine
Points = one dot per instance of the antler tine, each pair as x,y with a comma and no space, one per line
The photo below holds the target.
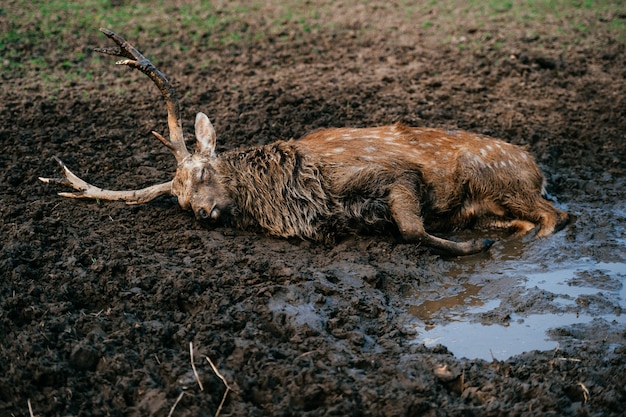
86,190
135,59
124,48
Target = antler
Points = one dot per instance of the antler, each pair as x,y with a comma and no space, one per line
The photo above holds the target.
86,190
136,60
176,142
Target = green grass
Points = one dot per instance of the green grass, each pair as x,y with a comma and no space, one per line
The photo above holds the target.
27,23
572,19
73,24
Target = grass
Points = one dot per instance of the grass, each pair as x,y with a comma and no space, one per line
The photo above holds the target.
26,23
573,18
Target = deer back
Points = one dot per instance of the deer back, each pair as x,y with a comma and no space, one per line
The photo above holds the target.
458,168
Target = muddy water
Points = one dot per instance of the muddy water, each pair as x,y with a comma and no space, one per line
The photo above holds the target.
533,295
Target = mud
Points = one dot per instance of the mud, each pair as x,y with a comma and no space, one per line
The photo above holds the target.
99,301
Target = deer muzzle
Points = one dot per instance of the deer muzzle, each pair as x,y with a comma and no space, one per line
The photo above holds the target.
212,214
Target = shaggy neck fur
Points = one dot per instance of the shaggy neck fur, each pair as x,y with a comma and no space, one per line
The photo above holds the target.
291,193
278,189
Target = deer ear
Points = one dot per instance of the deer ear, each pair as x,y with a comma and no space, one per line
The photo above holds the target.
205,135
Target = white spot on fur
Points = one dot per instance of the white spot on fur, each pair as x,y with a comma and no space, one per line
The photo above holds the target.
478,160
338,150
368,137
370,149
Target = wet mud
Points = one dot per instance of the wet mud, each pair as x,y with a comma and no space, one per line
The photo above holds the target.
99,301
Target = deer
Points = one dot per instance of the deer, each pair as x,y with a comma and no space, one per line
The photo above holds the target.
409,181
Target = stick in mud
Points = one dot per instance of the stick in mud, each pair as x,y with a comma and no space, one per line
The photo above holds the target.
228,388
175,404
193,367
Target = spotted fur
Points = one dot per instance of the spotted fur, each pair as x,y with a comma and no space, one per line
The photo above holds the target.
336,181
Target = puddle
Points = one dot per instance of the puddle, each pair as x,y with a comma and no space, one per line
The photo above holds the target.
468,296
474,340
530,295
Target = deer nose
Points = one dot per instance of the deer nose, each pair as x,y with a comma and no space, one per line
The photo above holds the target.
203,214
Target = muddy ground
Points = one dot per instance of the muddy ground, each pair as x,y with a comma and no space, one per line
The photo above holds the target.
99,301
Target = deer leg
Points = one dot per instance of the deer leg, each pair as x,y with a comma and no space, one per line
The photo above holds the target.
519,227
551,219
405,211
540,212
489,214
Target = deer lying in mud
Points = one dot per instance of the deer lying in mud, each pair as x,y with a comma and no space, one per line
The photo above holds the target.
410,180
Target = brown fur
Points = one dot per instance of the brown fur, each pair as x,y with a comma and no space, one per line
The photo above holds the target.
290,193
338,181
469,177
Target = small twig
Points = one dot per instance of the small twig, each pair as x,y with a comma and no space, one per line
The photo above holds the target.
176,403
585,392
30,409
193,366
569,359
228,388
310,352
220,376
463,380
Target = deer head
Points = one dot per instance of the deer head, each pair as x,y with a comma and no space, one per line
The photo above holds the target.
194,183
